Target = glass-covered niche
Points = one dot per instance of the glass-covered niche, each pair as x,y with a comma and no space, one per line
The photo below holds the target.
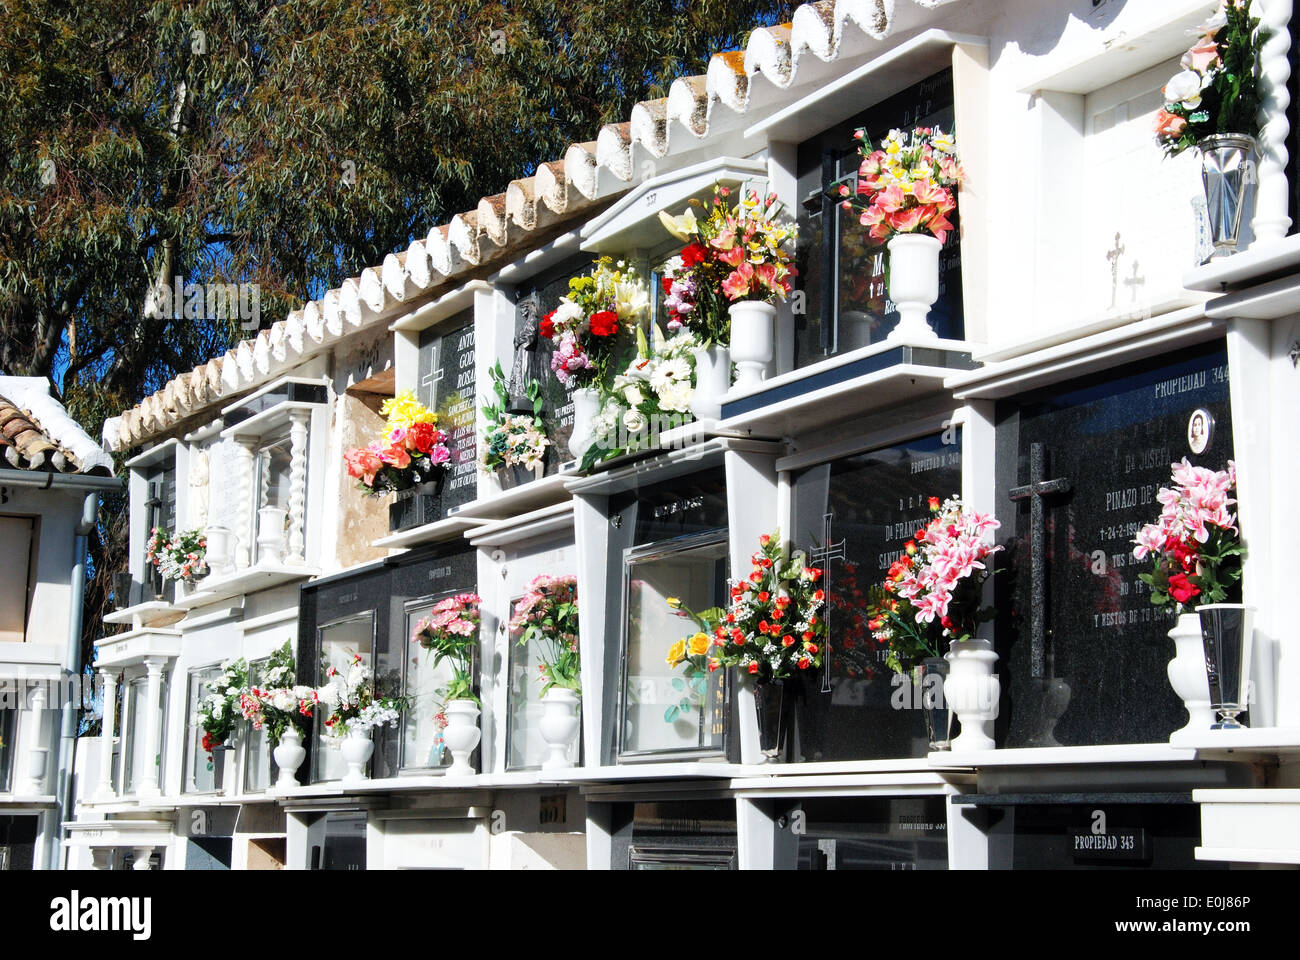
7,748
257,743
160,513
417,581
203,772
271,473
140,713
674,835
864,833
853,517
841,272
679,549
339,643
531,358
1097,674
525,748
447,384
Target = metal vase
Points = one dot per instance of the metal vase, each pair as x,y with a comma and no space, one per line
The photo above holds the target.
1228,173
773,702
1227,632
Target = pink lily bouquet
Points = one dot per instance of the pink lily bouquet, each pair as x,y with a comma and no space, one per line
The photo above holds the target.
412,450
735,251
1217,91
931,594
1195,544
547,615
450,632
906,185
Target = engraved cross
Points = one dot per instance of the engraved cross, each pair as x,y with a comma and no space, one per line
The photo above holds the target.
1034,491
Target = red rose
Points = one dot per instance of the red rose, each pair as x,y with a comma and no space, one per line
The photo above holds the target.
787,641
421,436
753,668
547,327
811,648
765,539
604,323
805,663
762,597
819,595
667,284
1182,589
934,503
693,255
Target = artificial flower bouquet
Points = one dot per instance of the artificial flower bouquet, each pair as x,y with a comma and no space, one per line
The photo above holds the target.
773,626
512,440
906,185
349,695
179,557
411,450
1217,91
591,328
1195,544
279,703
931,594
735,250
219,706
650,397
450,632
547,616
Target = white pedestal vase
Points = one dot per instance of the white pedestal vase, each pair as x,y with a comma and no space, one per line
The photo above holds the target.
219,553
289,754
753,341
461,735
1187,673
270,534
559,727
712,380
913,284
972,691
586,405
356,748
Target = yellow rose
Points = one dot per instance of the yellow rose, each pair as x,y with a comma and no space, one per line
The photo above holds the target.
673,602
676,653
699,644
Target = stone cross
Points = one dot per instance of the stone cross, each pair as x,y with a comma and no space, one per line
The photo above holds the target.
1034,491
1113,256
822,557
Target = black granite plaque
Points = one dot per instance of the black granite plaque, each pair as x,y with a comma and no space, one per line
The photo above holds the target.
678,507
447,386
841,271
1113,438
866,833
853,517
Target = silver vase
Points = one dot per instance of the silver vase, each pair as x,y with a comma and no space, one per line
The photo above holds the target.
1228,173
1227,632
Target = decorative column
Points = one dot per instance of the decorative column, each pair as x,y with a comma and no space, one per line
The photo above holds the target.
31,766
244,552
1272,221
299,420
107,733
142,855
101,858
149,786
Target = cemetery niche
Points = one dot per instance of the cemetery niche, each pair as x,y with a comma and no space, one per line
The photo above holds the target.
853,517
447,385
1083,652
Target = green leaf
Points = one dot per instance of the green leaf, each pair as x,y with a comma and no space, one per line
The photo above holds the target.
679,683
670,714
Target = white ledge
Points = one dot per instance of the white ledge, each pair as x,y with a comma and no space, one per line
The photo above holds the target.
521,499
1259,261
261,576
1246,743
147,614
27,800
448,528
687,770
1063,756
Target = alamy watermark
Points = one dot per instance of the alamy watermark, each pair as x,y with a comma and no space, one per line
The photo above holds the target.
207,301
82,691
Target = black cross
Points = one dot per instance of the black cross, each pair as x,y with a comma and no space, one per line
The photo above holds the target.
1034,491
822,557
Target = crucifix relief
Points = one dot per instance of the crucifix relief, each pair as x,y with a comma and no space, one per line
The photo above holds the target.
822,557
527,366
1113,256
1034,491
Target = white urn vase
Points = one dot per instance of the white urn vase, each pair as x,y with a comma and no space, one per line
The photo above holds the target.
559,727
289,754
1187,674
972,691
712,380
753,341
219,552
913,284
270,534
356,748
461,735
586,405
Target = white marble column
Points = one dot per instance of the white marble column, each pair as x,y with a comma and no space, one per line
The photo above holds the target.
299,419
245,552
149,786
107,733
1272,220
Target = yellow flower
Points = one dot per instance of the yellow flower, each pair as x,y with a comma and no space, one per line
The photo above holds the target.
674,602
404,410
676,653
699,644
